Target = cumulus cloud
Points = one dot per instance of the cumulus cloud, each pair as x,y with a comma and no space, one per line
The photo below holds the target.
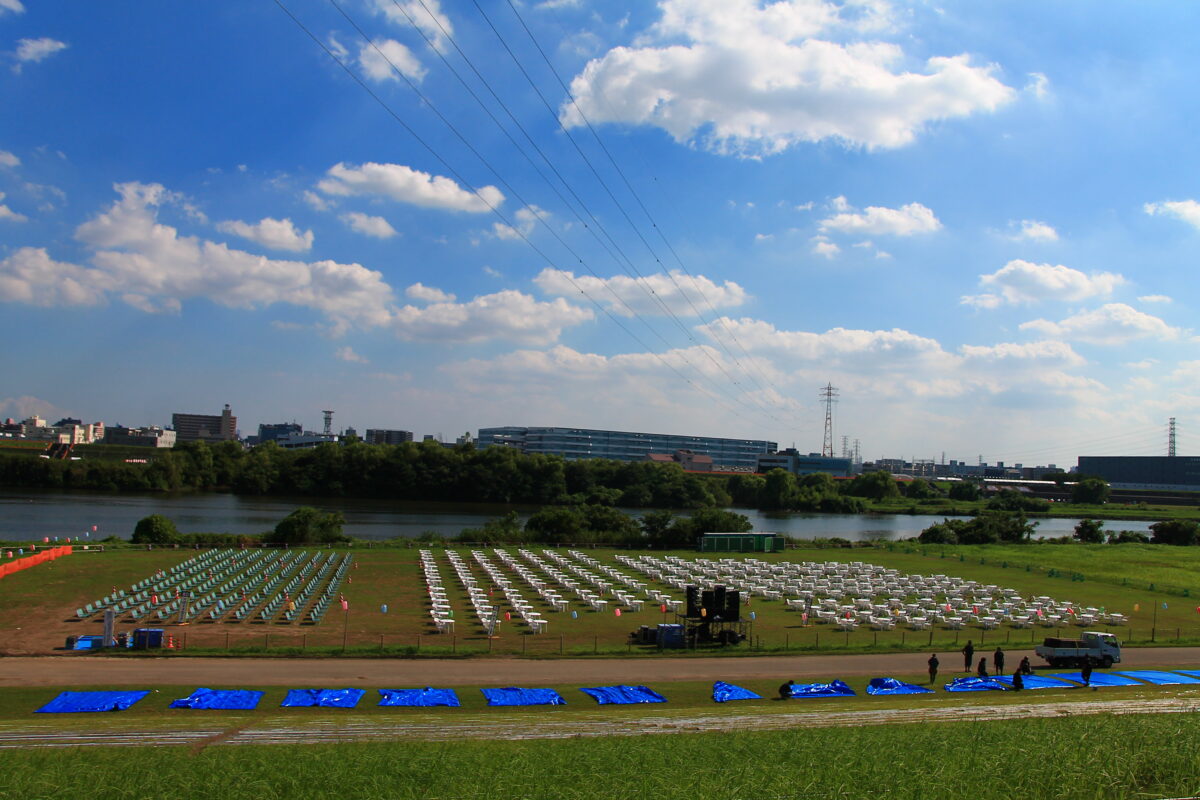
908,220
31,51
525,220
365,224
8,214
1154,298
1046,352
1025,282
742,78
428,294
277,234
504,315
821,246
1111,324
382,58
624,295
1038,85
7,159
425,14
11,6
32,277
347,354
835,347
316,202
1033,231
407,185
1186,210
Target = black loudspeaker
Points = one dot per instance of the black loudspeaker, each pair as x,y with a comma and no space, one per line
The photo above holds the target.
717,609
733,606
706,602
693,601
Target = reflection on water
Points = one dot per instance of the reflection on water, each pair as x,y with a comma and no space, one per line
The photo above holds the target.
29,514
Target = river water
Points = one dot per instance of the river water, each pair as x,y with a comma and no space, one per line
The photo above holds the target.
35,514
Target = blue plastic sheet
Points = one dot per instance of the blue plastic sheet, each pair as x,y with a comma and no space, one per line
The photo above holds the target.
1098,678
418,697
624,695
1157,677
1036,682
976,685
513,696
1190,672
220,700
724,692
325,698
831,689
893,686
88,643
79,702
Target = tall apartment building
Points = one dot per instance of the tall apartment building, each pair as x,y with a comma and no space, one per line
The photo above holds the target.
387,436
580,443
205,427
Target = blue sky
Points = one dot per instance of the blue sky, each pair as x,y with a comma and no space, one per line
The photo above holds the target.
978,221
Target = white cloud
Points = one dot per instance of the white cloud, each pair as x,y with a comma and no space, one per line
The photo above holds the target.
347,354
7,159
277,234
32,277
1186,210
908,220
525,218
1032,230
1046,351
1154,298
408,186
425,14
763,237
26,406
508,315
742,78
31,51
1145,363
823,247
677,291
382,58
492,272
8,214
316,202
1038,85
1025,282
1111,324
13,6
378,227
151,266
428,294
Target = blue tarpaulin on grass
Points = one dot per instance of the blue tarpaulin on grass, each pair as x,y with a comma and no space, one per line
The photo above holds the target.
1035,682
418,697
831,689
976,685
513,696
893,686
1157,677
624,695
724,692
1098,678
78,702
220,699
326,698
1190,672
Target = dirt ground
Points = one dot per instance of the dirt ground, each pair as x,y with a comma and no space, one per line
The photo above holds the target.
91,670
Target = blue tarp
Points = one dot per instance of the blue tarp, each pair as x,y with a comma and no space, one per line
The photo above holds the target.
418,697
513,696
724,692
831,689
88,643
77,702
1098,678
624,695
976,685
1158,678
893,686
326,698
220,699
1036,682
1190,672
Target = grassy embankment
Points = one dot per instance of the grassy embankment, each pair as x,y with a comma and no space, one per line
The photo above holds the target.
1115,577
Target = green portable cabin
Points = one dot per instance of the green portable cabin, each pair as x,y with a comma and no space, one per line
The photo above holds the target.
742,543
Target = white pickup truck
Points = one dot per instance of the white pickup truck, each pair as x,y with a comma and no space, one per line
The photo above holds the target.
1095,647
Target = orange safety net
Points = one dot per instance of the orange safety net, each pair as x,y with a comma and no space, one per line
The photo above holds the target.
9,567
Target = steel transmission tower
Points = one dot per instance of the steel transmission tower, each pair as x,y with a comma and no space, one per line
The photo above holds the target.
328,422
828,394
1171,438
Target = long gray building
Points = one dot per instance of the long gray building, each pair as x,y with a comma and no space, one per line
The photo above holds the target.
1145,472
581,443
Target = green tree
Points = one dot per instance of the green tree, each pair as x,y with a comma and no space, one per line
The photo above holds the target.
155,529
920,489
965,490
877,485
1090,491
779,491
307,525
944,532
1090,531
1180,532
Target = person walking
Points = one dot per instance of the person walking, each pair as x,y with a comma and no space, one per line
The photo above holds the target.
933,668
998,660
968,656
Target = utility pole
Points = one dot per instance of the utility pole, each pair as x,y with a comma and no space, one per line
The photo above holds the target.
828,394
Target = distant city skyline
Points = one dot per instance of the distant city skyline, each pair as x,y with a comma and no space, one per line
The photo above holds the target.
980,222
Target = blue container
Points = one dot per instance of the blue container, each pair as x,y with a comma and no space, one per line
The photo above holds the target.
670,636
147,638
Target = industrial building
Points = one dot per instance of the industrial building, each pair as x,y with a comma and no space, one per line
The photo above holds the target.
387,436
799,464
205,427
583,443
1145,472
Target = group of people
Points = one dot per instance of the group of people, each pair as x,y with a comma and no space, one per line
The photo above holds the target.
968,651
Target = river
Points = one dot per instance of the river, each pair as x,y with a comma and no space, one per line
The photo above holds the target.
37,514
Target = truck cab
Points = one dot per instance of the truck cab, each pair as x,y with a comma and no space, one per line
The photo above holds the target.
1097,648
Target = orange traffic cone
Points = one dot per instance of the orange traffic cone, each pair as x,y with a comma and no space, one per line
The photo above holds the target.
170,641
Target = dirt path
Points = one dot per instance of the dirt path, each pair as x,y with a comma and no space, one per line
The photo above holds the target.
84,670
